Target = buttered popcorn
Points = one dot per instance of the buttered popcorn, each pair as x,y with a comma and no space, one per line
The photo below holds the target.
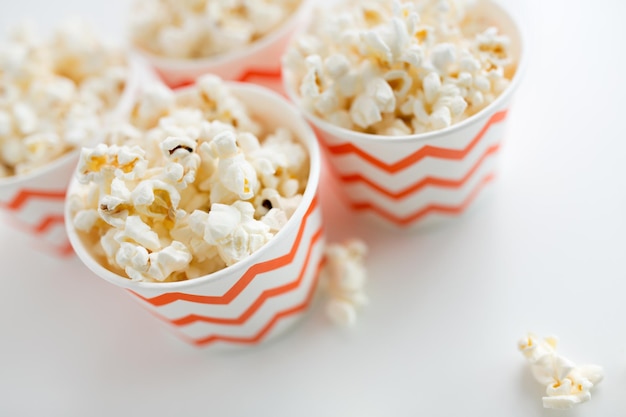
202,28
192,185
566,384
54,93
344,276
399,67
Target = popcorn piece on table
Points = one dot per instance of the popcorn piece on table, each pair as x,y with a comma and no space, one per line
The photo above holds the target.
566,383
344,276
194,185
54,94
203,28
399,67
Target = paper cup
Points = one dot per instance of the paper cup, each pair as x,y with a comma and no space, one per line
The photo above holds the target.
34,202
259,297
257,63
415,180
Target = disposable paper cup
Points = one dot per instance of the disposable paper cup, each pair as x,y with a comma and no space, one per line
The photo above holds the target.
259,297
257,63
415,180
33,202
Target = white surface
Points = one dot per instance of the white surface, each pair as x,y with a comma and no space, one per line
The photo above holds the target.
544,253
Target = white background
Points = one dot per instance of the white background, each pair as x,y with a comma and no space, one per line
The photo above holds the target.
545,252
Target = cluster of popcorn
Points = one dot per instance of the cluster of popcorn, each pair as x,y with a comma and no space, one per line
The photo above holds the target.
202,28
54,93
191,186
344,276
566,383
399,67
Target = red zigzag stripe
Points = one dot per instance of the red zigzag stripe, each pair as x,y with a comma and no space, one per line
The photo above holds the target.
23,196
265,295
48,222
428,181
40,228
259,73
243,282
261,334
426,151
433,208
63,248
275,73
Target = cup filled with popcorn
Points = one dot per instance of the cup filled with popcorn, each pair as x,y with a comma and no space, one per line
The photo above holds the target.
236,40
204,207
56,94
409,99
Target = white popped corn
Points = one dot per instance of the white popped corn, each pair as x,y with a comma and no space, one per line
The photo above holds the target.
566,383
197,184
204,28
344,276
399,67
54,93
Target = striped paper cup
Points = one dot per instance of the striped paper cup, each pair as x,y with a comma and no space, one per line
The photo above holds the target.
258,63
34,202
415,180
259,297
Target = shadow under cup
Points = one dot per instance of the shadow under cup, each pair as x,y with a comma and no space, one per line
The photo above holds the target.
408,182
259,297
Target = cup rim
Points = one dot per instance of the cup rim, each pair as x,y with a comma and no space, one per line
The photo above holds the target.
282,30
518,28
308,139
118,112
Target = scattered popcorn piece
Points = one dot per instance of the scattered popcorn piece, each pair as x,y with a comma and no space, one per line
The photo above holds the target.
399,67
203,28
54,94
344,276
192,186
566,383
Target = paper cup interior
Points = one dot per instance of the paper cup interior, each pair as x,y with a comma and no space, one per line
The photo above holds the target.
273,111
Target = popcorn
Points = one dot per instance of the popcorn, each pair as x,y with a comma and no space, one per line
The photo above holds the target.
154,103
234,231
566,384
400,67
54,94
102,162
344,275
235,174
204,28
193,186
168,260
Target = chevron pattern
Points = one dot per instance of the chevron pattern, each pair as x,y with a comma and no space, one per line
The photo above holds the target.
258,73
426,180
423,183
38,212
250,307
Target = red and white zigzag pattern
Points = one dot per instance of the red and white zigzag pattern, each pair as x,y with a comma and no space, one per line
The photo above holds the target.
429,180
249,308
39,213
